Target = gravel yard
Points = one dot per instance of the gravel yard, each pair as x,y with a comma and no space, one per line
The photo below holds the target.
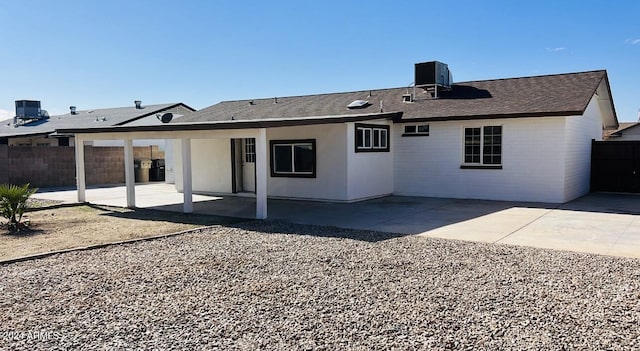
275,285
59,227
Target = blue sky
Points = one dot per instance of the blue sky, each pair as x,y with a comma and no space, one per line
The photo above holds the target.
96,54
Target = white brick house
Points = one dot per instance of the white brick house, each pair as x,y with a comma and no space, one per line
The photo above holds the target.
524,139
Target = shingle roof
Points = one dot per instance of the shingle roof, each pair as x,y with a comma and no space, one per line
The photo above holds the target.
82,119
550,95
621,128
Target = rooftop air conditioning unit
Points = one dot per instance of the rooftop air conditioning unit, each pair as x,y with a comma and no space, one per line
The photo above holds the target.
432,73
27,109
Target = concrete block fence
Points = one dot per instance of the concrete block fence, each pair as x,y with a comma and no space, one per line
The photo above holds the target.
44,166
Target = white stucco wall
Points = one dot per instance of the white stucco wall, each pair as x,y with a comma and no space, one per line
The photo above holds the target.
533,162
545,159
330,182
580,131
211,165
370,174
341,174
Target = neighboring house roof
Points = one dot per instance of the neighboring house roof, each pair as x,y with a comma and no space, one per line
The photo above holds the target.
83,119
550,95
624,126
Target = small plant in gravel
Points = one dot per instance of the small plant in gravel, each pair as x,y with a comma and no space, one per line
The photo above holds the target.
13,204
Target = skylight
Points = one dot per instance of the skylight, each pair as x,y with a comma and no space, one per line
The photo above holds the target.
358,104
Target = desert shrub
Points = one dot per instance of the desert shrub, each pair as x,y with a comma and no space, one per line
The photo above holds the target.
13,203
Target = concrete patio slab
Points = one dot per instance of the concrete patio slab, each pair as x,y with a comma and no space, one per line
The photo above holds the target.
147,195
492,227
597,223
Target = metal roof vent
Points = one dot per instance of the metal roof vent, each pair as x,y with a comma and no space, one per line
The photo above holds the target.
358,104
73,110
138,104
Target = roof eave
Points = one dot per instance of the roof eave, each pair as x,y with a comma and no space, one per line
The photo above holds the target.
28,135
492,116
242,124
615,124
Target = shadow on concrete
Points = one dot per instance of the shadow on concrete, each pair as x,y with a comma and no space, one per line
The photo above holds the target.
401,215
173,217
54,189
73,187
392,216
616,203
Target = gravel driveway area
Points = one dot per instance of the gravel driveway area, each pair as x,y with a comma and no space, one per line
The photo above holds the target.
273,285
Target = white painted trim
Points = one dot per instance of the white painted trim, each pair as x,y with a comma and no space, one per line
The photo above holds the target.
129,174
261,174
187,181
80,174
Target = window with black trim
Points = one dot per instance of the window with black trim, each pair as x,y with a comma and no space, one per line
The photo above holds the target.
483,146
372,138
416,130
293,158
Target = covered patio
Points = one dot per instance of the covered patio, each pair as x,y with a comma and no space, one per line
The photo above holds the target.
196,152
185,134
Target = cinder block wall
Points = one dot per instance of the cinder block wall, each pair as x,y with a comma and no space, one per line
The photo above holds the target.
104,165
55,166
4,164
149,152
41,166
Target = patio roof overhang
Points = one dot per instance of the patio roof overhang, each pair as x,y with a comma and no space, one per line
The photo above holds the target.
193,129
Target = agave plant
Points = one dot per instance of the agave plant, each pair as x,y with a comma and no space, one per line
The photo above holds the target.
13,203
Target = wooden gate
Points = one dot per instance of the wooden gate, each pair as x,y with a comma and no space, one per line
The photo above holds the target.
615,166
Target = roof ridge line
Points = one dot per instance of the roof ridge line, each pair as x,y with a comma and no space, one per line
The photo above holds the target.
405,87
116,108
536,76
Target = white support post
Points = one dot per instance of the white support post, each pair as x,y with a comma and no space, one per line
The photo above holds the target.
261,174
80,175
129,175
187,187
